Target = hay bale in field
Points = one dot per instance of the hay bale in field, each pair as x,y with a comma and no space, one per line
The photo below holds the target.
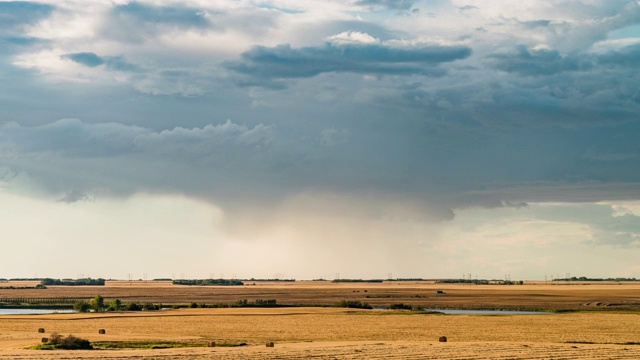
211,344
270,344
102,331
442,339
44,340
41,330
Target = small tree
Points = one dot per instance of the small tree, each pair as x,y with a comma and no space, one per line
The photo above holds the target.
115,305
97,303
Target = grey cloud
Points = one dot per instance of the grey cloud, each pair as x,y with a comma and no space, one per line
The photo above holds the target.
14,14
607,227
333,137
541,62
625,228
138,22
74,158
72,137
536,23
595,156
283,61
468,8
85,58
74,196
626,57
147,14
90,59
390,4
204,140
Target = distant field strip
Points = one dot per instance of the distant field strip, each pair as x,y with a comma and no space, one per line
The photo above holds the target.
369,350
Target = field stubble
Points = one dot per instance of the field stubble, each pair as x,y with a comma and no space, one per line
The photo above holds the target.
533,296
325,333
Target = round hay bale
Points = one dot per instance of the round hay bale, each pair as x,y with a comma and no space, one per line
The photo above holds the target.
102,331
442,339
270,344
41,330
211,344
44,340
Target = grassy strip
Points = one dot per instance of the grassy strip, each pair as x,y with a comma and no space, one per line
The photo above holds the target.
107,345
145,344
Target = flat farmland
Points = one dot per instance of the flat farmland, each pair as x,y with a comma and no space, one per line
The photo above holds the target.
531,296
326,333
605,326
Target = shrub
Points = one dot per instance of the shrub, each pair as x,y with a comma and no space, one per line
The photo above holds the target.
57,341
149,306
133,307
400,307
81,306
356,304
75,343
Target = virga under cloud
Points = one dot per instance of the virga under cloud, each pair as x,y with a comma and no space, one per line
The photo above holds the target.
426,109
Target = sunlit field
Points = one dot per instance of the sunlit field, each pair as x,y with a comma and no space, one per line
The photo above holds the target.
595,332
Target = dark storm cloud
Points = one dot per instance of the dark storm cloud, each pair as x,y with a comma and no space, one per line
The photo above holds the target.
516,116
283,61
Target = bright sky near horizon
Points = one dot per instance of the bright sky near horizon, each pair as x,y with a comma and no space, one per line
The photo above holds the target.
307,138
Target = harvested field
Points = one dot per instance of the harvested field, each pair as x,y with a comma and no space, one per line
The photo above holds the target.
330,333
325,333
532,296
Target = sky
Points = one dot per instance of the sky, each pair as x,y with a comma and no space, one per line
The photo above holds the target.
320,139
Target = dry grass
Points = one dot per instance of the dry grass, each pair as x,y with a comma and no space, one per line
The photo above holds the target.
347,333
338,331
583,296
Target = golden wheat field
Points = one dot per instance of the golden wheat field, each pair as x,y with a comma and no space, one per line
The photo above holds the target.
338,333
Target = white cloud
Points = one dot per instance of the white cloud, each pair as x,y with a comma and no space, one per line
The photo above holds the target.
353,37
